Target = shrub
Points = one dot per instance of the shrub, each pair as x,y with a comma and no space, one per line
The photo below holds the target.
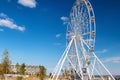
19,78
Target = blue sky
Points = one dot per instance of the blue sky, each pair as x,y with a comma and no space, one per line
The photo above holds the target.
34,33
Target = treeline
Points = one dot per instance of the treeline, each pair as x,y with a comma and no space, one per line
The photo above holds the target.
5,67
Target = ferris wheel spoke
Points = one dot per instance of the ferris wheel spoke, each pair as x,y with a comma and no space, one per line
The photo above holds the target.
87,33
89,47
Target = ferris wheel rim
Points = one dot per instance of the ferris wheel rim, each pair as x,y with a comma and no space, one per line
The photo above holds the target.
91,15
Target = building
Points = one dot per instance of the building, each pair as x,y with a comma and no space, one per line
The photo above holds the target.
30,69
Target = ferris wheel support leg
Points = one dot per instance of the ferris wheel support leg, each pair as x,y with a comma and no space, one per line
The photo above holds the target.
84,54
93,67
59,63
56,68
99,61
104,66
63,60
74,67
80,67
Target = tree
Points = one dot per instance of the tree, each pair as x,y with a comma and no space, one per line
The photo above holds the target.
42,72
22,69
6,63
17,66
50,75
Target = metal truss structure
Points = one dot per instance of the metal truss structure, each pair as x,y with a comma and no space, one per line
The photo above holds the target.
79,61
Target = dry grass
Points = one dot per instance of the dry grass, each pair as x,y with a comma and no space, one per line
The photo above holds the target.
28,78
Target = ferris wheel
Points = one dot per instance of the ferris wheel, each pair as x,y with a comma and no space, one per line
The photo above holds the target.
79,62
82,22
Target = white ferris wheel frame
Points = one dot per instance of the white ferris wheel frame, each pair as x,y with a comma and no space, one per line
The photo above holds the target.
74,39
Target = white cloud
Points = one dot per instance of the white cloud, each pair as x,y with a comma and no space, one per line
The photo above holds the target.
64,19
113,60
9,23
1,30
58,35
28,3
2,15
102,51
57,44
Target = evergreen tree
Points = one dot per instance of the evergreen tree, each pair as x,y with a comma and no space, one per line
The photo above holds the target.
22,69
42,72
17,66
6,63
